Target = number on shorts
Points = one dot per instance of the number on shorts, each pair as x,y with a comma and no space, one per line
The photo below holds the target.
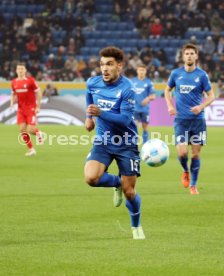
134,165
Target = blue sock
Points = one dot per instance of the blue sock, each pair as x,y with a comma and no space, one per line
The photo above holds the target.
195,167
183,162
134,210
109,180
145,136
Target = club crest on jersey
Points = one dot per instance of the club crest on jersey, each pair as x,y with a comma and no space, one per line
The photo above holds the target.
197,79
96,91
105,105
186,89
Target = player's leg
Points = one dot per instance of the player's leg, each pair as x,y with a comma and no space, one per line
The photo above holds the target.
96,176
129,167
26,138
145,134
197,140
145,123
133,203
137,118
195,168
21,121
182,137
182,152
32,128
133,200
95,169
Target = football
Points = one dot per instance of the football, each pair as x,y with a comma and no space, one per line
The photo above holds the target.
155,153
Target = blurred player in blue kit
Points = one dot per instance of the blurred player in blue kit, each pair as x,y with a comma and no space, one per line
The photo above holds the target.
110,98
190,83
144,93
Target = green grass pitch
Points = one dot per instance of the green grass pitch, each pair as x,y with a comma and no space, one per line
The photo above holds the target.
52,223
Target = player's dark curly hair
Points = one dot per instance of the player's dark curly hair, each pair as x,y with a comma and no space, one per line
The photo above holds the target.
114,52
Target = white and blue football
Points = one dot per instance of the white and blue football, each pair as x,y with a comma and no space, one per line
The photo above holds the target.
155,153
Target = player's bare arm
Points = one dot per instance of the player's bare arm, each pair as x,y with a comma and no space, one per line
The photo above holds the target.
13,100
39,97
210,98
168,97
89,124
148,99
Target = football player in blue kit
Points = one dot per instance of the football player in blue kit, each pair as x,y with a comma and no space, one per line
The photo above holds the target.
110,100
144,93
190,83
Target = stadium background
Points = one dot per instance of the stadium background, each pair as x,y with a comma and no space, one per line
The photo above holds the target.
60,41
53,224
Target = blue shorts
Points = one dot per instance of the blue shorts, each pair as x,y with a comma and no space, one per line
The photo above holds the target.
127,158
142,117
192,132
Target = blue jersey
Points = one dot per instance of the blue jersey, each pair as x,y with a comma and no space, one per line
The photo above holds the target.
113,99
189,87
142,88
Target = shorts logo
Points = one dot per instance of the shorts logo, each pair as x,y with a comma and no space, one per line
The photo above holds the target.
186,89
105,105
180,139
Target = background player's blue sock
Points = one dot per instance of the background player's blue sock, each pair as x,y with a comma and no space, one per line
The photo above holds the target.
183,162
109,180
145,136
134,210
195,167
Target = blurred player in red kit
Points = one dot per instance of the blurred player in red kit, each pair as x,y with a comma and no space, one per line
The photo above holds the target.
28,95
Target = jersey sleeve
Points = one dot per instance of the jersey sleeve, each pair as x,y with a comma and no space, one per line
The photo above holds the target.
206,83
128,101
171,80
88,84
89,97
34,85
151,88
13,92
